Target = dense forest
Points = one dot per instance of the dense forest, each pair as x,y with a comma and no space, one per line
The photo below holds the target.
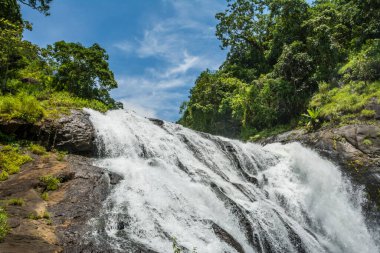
289,64
37,82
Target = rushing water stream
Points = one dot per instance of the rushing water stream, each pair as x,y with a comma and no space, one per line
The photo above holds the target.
221,195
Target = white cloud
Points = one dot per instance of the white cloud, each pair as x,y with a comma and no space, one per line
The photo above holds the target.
179,43
125,46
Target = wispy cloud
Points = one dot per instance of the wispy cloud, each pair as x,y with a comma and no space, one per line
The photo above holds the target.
179,44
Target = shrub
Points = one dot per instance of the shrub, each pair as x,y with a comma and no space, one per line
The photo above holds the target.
46,215
61,155
16,202
367,142
11,158
45,196
312,117
21,106
3,224
37,149
51,183
4,175
367,113
349,100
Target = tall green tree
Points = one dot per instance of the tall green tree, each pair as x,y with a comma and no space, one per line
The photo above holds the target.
81,70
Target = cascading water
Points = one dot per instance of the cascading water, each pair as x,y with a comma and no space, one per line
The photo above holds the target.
221,195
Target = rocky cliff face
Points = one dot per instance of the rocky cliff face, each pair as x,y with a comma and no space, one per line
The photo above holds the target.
80,196
73,132
355,148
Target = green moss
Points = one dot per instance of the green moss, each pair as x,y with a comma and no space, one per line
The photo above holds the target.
45,196
4,175
16,202
367,142
61,155
51,183
11,158
37,149
4,229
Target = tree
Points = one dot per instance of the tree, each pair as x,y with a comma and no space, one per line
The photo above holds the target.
208,109
42,6
10,10
83,71
10,47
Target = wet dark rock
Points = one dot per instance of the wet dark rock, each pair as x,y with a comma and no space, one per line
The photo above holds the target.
226,237
120,225
88,186
115,178
73,133
158,122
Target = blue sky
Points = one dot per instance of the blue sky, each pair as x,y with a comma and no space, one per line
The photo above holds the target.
157,48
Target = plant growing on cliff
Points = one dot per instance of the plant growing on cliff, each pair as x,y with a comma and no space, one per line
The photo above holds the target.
312,117
50,182
4,229
11,158
16,202
37,149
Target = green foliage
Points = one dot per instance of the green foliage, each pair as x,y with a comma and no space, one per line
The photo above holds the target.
80,70
279,51
312,117
11,158
45,196
365,113
64,101
37,149
365,65
348,101
78,76
44,104
21,106
367,142
61,155
208,109
46,215
10,11
50,182
4,175
4,229
16,202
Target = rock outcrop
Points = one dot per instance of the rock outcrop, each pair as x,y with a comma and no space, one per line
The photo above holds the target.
73,132
355,148
60,222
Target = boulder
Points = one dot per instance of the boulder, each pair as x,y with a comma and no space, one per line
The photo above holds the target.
73,133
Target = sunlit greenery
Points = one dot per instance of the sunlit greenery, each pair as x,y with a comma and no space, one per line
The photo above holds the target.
285,57
38,83
3,224
11,158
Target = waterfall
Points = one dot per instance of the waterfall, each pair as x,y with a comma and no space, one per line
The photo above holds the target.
216,195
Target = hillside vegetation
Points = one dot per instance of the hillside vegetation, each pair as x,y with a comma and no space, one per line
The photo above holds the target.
44,82
289,64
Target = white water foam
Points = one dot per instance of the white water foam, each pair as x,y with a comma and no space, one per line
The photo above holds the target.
191,186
